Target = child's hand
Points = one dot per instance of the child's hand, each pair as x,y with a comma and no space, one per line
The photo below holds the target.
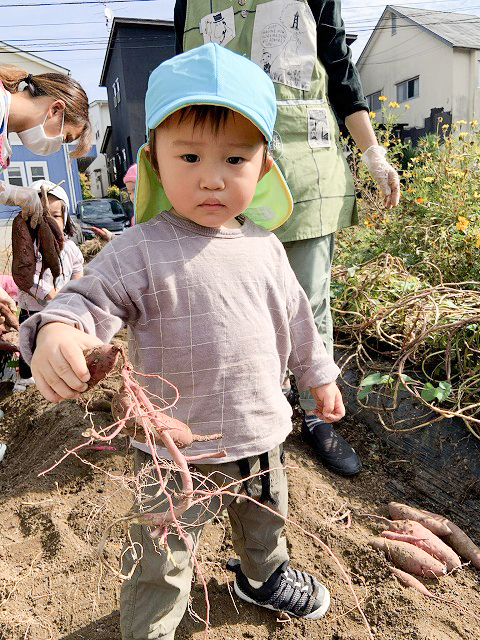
329,402
58,364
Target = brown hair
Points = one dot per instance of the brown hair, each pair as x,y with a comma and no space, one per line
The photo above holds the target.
60,87
201,114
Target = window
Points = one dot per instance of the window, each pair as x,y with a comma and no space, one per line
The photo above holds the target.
373,101
15,174
394,24
408,89
37,170
116,92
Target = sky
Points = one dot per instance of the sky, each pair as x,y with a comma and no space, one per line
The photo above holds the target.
74,33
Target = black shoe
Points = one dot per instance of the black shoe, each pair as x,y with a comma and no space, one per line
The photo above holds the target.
332,450
295,592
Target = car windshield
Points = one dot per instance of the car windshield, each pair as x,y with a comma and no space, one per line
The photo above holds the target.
98,210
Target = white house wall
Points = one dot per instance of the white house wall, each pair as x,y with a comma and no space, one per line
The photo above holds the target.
411,52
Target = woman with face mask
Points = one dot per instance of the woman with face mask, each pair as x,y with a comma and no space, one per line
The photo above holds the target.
50,110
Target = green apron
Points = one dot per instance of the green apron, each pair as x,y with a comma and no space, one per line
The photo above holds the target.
280,36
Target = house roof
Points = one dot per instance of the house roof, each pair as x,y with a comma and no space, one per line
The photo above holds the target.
117,22
30,56
455,29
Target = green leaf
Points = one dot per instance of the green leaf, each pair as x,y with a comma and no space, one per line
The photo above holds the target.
366,384
440,393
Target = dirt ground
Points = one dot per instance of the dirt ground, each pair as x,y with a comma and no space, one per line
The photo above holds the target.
53,588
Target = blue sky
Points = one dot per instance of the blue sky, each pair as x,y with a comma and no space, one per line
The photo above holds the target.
73,33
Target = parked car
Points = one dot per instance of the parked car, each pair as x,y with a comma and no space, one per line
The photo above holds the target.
104,213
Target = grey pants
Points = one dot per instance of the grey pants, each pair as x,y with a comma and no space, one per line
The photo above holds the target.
311,261
154,599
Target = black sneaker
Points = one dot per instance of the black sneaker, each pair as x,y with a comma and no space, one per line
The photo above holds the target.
289,590
332,450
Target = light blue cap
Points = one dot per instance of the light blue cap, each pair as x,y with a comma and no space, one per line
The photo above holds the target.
213,75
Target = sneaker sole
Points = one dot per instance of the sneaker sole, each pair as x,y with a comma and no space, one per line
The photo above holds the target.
314,615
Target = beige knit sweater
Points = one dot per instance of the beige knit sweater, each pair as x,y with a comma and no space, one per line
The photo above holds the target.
220,314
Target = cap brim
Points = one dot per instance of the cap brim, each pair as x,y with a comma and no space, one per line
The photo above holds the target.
271,206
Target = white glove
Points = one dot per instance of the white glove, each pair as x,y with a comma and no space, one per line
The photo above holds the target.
25,198
383,173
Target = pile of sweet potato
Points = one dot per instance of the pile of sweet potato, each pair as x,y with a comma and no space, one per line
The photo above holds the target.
423,543
42,233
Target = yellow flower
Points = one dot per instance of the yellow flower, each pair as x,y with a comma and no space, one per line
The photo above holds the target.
444,127
463,135
393,105
447,186
462,223
476,195
419,200
382,98
406,107
454,126
372,114
386,143
461,122
474,123
429,179
440,119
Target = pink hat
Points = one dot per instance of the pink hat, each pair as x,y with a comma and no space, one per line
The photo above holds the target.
131,175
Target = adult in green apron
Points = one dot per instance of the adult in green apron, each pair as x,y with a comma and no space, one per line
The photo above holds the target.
301,45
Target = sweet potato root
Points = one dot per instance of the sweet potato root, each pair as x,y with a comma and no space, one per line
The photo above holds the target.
410,558
410,581
10,319
464,545
159,422
427,541
23,254
424,539
48,247
100,361
455,537
435,523
9,342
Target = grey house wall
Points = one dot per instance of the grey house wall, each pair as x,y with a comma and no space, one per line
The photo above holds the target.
135,52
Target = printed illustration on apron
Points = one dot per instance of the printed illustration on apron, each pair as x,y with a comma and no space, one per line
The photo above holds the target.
318,128
218,27
284,42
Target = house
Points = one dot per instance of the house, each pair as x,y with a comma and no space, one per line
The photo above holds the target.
26,167
135,48
428,60
94,165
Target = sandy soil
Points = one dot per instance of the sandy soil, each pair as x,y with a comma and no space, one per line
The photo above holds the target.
53,588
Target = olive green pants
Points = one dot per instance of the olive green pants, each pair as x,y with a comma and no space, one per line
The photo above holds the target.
154,599
311,260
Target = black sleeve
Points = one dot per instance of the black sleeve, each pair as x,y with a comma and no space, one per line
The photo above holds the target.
179,15
345,91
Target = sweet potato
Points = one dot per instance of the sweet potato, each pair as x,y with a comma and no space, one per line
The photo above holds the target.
418,535
100,361
57,233
409,581
49,249
452,534
9,317
158,422
435,523
9,342
410,558
464,545
23,254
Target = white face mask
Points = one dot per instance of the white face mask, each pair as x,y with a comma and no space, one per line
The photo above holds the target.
37,141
